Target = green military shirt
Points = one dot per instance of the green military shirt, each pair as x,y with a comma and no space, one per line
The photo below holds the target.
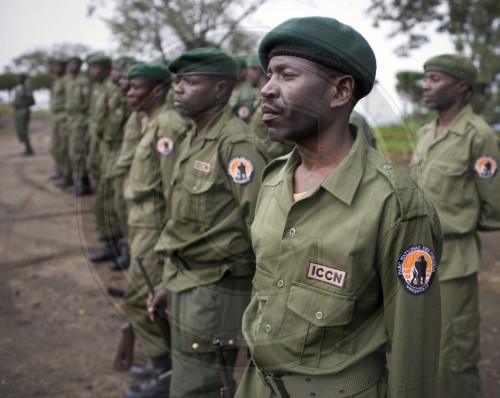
160,137
333,282
98,113
242,101
76,94
23,96
459,173
214,187
131,137
57,99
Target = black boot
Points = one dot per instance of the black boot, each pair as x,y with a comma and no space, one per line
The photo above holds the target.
28,151
64,182
108,252
158,366
120,263
156,387
81,188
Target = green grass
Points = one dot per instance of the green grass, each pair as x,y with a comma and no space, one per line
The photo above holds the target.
397,141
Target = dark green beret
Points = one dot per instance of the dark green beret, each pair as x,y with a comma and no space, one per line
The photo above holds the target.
205,61
56,61
125,62
74,58
325,41
99,59
253,61
150,71
241,60
454,65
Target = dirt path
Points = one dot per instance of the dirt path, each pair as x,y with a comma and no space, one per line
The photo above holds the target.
59,329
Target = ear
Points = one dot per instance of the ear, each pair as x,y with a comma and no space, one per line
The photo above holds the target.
343,90
157,91
463,87
220,89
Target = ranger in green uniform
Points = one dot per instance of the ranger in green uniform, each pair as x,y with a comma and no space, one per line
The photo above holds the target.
347,245
209,261
23,101
161,136
124,143
243,96
76,106
59,141
456,163
109,112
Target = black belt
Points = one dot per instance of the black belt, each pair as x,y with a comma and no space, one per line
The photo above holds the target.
351,381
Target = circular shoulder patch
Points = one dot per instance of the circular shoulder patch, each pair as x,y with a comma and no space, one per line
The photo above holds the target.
486,167
243,112
165,146
416,269
240,170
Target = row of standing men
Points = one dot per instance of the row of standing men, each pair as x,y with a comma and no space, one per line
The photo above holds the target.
329,261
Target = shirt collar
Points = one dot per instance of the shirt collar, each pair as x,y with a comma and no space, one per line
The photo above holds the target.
344,180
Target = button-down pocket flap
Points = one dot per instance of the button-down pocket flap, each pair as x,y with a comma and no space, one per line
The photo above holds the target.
319,307
196,185
450,169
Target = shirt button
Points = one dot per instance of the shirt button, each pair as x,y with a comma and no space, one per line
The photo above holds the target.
281,283
319,315
268,328
387,166
293,232
195,346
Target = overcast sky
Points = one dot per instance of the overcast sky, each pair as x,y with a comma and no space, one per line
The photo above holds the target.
26,25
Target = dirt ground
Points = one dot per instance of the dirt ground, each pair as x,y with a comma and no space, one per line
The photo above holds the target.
59,329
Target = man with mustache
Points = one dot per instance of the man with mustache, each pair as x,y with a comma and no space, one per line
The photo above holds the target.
336,233
212,192
456,164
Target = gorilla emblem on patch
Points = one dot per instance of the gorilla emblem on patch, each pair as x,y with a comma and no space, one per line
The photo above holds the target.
416,269
165,146
486,167
240,170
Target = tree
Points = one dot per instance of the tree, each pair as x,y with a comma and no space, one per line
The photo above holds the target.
148,26
35,61
409,87
473,25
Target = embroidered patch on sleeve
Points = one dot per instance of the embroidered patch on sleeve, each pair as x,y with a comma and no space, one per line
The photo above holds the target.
240,170
165,146
486,167
416,269
326,274
243,112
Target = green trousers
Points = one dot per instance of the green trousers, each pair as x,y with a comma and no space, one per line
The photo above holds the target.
110,221
22,119
198,316
142,241
59,144
76,125
460,345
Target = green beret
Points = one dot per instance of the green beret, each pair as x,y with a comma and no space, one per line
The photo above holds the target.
454,65
56,61
99,59
241,60
325,41
150,71
205,61
74,58
253,61
125,62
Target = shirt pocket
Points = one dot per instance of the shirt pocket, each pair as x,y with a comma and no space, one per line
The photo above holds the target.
318,321
194,205
447,183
